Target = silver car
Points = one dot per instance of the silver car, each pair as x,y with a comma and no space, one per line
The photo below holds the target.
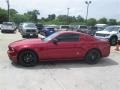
28,29
8,27
82,28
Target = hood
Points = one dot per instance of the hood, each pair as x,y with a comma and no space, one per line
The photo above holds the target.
26,42
106,32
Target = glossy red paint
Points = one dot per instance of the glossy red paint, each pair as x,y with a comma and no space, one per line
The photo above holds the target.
47,50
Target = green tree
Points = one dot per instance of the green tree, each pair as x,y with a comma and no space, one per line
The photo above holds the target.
112,22
51,16
62,19
18,18
102,21
33,15
13,14
91,22
80,19
118,23
3,15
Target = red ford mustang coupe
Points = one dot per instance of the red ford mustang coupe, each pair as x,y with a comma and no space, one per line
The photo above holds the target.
66,45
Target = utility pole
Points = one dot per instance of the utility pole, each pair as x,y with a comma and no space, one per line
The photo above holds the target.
88,4
68,15
8,4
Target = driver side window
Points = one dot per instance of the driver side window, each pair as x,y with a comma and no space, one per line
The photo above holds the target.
68,37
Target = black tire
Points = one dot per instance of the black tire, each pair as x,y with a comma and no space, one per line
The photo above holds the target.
92,57
113,41
27,58
13,31
25,36
2,31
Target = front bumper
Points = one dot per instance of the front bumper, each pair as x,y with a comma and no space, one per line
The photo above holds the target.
29,33
99,37
12,56
7,30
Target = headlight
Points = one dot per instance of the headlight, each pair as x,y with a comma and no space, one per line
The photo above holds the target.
12,49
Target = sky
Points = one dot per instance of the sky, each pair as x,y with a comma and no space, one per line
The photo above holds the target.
97,9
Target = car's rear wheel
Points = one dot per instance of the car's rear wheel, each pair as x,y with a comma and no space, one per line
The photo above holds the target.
27,58
92,57
113,41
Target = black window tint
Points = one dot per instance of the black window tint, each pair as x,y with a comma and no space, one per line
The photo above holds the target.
68,37
83,27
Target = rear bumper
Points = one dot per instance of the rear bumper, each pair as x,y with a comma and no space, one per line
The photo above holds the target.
12,56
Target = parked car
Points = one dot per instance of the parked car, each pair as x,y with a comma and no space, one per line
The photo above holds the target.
20,27
8,27
92,30
56,27
67,45
40,27
28,30
64,27
111,33
47,31
82,28
101,26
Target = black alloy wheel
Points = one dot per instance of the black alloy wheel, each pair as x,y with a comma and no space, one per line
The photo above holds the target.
92,57
27,58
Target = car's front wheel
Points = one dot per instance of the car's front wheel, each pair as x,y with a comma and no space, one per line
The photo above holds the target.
27,58
92,57
113,41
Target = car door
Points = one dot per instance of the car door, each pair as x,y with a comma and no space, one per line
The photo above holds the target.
65,47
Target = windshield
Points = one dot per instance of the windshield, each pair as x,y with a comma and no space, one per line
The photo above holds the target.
30,25
65,27
51,37
8,24
83,27
100,28
111,28
51,29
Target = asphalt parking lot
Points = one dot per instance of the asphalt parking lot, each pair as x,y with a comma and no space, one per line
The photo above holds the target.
58,75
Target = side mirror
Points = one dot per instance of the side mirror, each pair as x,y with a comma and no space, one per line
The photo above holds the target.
55,41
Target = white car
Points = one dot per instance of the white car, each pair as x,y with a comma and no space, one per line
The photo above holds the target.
64,27
111,33
8,27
